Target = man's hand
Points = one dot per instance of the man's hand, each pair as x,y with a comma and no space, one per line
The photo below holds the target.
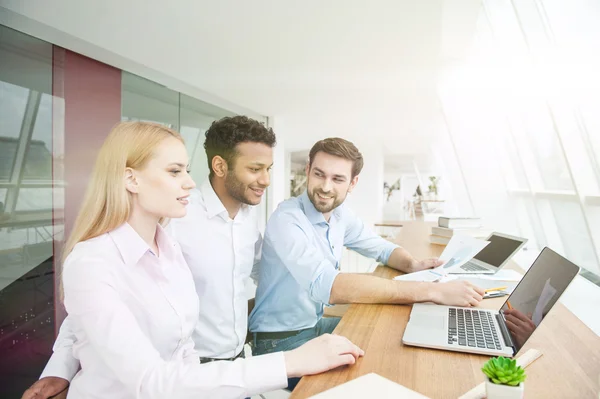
45,388
520,325
457,293
417,265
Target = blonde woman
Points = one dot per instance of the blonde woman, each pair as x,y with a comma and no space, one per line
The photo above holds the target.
130,295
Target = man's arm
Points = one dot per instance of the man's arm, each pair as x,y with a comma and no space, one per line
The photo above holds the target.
60,369
362,288
364,241
400,259
288,242
287,238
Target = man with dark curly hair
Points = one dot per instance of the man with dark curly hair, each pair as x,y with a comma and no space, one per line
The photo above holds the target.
219,236
228,143
220,241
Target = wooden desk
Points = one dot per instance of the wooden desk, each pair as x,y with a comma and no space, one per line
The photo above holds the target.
569,367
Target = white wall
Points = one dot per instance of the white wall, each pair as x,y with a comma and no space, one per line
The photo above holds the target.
366,200
276,192
375,85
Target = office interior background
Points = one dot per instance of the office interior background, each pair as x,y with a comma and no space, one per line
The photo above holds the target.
496,100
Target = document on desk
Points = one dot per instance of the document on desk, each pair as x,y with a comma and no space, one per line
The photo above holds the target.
501,275
507,286
459,251
423,275
370,386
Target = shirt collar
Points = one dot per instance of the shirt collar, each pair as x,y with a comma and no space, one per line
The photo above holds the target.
214,206
313,215
132,247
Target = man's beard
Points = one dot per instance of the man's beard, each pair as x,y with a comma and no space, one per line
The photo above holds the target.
237,190
321,207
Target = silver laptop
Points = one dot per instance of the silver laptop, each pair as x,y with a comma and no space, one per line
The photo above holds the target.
493,257
493,332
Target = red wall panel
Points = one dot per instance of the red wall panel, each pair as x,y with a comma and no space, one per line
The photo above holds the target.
87,105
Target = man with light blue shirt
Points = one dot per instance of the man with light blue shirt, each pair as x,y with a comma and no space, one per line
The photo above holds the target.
304,239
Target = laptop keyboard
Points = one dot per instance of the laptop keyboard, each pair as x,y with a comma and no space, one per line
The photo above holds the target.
474,328
472,267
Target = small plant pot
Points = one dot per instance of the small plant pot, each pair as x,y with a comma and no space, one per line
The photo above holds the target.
498,391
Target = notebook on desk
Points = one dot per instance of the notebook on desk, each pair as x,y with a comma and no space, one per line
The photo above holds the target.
493,332
369,386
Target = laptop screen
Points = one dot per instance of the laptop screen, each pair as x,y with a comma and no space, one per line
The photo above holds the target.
537,292
498,250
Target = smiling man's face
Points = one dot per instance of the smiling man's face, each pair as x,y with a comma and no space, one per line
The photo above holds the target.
247,181
329,181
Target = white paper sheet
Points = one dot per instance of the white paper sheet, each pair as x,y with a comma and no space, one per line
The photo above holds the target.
479,280
423,275
502,275
460,250
370,386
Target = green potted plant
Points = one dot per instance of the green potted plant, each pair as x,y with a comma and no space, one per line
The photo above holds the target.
505,379
433,187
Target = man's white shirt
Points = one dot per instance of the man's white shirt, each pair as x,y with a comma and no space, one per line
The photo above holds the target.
222,254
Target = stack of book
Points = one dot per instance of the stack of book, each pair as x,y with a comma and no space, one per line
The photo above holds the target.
448,226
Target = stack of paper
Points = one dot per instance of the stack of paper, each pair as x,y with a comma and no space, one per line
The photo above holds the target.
370,386
459,251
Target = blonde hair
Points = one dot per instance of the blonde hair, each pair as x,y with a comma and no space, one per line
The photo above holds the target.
107,203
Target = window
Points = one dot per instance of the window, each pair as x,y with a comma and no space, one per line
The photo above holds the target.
26,231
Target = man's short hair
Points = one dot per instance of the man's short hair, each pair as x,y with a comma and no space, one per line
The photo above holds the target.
224,135
340,148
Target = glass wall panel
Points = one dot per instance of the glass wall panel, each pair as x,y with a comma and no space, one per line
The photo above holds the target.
40,149
13,100
144,100
26,254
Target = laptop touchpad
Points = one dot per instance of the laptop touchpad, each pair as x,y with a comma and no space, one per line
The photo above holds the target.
428,321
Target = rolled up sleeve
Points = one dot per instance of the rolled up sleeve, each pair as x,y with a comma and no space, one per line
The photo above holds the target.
363,240
291,244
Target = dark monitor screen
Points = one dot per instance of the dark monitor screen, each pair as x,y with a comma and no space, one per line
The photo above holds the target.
498,250
538,291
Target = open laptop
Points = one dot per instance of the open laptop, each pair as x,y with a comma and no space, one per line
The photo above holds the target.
493,332
493,257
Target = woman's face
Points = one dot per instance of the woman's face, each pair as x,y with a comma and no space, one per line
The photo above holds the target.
163,185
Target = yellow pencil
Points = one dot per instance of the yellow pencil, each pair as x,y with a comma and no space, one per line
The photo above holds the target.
496,289
509,305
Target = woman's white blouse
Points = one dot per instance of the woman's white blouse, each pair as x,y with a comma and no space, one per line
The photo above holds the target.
133,313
